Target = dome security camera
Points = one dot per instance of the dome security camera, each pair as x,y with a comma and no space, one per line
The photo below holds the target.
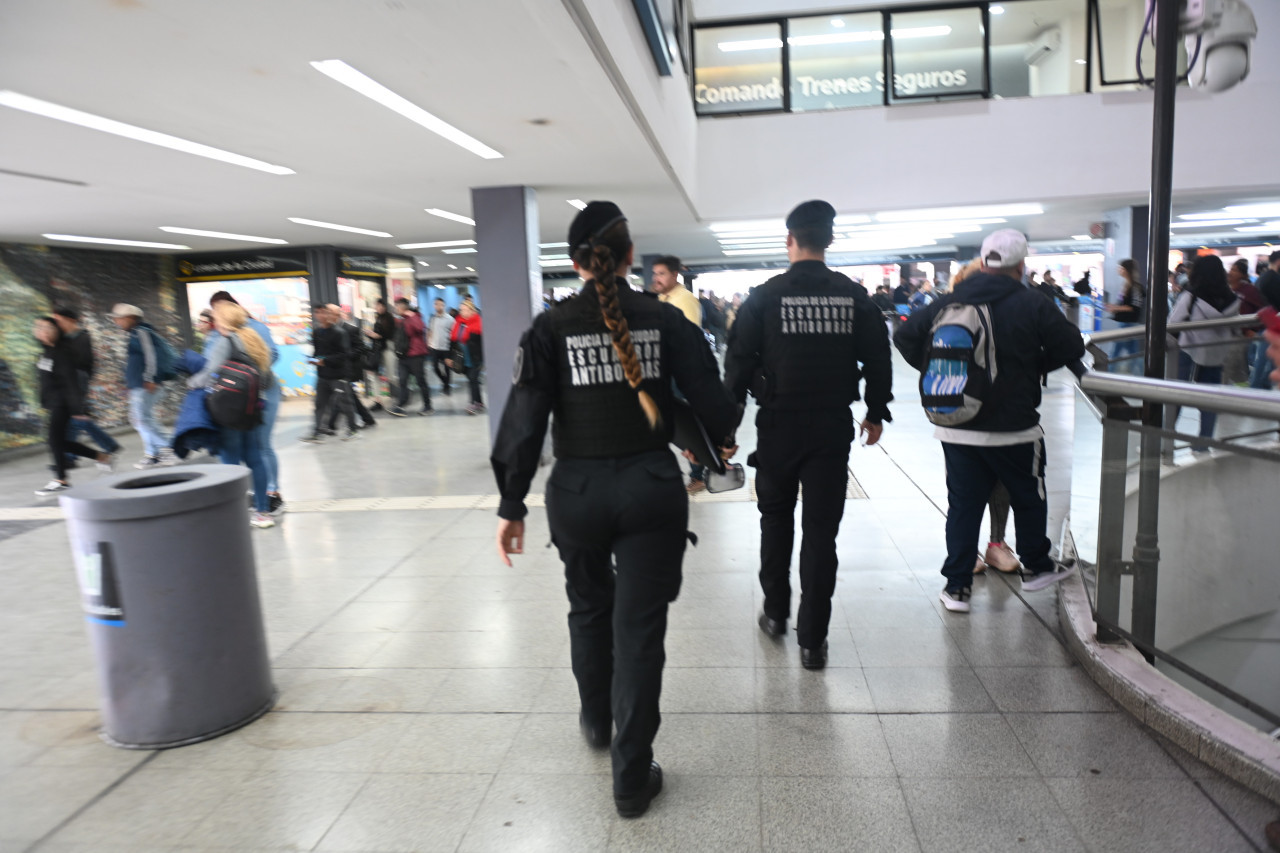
1226,30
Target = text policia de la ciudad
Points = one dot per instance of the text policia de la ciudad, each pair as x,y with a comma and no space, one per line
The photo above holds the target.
593,360
908,83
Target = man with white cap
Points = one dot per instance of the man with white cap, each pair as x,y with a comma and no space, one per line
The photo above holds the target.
981,351
149,363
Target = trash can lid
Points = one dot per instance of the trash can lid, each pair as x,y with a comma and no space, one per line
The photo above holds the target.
147,494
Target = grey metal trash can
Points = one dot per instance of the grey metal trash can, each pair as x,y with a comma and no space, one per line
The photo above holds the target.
169,587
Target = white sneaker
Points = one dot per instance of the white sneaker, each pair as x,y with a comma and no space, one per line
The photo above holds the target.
261,520
147,462
52,488
351,435
109,465
168,457
956,602
1033,581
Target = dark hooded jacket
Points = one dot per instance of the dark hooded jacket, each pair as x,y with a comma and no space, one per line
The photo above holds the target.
1032,338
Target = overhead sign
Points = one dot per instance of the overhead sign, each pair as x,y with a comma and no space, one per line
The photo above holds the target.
222,267
367,266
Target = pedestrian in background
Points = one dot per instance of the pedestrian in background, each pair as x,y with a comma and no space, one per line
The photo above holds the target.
148,365
81,345
468,351
61,397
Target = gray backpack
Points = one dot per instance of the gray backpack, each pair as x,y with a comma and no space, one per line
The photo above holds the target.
960,364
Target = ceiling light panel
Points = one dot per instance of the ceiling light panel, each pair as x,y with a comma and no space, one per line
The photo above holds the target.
439,244
553,245
458,251
336,227
990,211
1266,210
456,217
222,235
140,134
108,241
1209,223
372,89
577,202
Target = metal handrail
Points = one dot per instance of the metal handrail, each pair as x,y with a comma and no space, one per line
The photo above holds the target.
1212,398
1138,331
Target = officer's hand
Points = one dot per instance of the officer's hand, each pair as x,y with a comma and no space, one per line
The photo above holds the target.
726,453
872,432
510,539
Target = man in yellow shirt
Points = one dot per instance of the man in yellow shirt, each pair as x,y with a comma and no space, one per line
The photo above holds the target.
666,283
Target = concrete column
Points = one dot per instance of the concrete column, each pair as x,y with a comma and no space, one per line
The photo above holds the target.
646,269
508,270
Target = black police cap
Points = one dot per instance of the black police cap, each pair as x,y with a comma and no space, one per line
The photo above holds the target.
592,221
809,214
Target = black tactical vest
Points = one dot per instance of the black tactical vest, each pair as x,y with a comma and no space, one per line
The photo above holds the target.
597,413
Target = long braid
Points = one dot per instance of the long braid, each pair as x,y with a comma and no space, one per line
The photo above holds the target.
603,268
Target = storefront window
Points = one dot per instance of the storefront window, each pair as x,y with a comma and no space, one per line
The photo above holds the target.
738,69
937,55
836,61
1118,31
1038,48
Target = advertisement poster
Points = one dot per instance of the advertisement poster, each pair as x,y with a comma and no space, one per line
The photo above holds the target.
284,305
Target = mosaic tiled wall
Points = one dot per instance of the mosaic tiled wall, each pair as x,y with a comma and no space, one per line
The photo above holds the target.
33,279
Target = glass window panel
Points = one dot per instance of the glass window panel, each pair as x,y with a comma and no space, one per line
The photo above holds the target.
1120,26
837,61
738,69
1038,48
937,54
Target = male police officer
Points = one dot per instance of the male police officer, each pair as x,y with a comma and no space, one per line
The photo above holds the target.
797,343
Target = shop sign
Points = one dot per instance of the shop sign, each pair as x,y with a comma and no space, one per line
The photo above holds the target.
363,265
230,267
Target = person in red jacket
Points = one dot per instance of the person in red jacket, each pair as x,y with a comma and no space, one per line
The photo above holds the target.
411,349
468,351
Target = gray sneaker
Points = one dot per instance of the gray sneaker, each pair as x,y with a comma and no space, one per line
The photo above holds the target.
1033,581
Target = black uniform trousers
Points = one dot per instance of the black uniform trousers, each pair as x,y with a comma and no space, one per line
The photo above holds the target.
808,448
413,366
335,392
620,527
972,472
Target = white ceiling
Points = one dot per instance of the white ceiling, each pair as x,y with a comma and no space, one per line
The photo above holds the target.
236,75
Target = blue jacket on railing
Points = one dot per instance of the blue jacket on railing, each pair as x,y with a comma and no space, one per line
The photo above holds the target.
195,430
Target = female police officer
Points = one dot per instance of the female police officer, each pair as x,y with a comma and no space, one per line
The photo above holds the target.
603,362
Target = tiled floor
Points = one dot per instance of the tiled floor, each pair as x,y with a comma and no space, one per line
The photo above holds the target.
426,701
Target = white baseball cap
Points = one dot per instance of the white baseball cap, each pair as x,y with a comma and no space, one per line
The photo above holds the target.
1004,249
124,309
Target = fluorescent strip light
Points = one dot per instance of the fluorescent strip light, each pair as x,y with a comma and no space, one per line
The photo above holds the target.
456,217
335,227
559,262
555,257
370,88
953,213
1209,223
451,266
577,202
471,269
770,225
424,263
752,44
996,10
437,245
107,241
852,219
1256,210
1081,237
1262,229
459,251
753,251
863,36
553,245
60,113
222,235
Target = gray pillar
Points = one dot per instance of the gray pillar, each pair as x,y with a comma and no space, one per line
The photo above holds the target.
1126,238
646,269
507,234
